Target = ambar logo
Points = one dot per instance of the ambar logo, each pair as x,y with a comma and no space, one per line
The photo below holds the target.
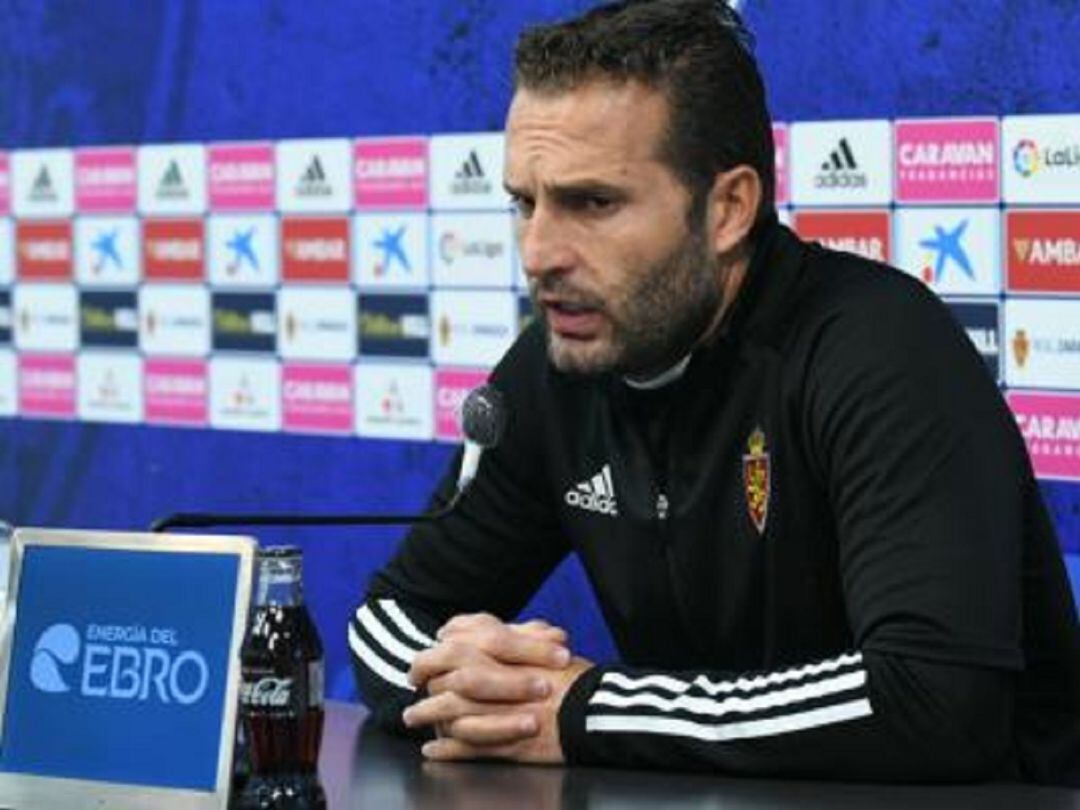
315,249
1043,251
45,250
174,249
865,233
1048,251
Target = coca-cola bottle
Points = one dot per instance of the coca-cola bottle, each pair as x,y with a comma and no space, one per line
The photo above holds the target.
281,690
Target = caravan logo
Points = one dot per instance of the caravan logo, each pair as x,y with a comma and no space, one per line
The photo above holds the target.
595,495
118,663
391,173
954,160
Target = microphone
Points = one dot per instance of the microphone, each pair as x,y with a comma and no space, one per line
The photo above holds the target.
483,419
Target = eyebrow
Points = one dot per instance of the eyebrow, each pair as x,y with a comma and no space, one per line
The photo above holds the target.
576,187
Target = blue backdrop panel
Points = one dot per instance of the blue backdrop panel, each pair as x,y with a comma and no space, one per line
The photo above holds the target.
159,71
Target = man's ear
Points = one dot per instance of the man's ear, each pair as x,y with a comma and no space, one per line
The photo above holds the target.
733,206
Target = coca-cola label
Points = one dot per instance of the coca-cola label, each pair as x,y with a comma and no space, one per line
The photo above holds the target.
267,692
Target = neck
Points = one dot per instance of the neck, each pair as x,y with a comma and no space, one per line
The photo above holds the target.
730,278
731,282
659,380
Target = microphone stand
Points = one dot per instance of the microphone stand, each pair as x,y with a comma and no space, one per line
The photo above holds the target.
203,520
483,420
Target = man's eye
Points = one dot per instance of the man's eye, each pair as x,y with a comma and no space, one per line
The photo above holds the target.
522,206
591,203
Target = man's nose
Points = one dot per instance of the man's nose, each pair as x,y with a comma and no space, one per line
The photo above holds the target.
544,245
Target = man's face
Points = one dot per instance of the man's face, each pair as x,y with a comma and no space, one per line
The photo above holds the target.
617,276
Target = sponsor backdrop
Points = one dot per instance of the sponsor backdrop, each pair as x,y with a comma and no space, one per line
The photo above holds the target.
238,274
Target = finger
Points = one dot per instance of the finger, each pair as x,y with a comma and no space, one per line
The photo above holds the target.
493,729
509,647
537,628
467,622
450,750
440,659
497,641
491,684
437,710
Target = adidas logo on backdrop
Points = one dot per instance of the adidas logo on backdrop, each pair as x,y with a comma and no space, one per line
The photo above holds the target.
42,190
595,495
171,186
471,178
313,182
841,170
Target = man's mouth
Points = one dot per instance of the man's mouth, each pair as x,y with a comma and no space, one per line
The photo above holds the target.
572,319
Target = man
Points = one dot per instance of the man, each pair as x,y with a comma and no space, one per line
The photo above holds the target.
806,511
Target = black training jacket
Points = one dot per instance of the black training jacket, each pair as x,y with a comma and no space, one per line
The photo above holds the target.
821,551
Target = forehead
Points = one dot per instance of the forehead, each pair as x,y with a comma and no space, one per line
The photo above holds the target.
599,126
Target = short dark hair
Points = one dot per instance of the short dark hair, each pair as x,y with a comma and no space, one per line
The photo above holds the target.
697,52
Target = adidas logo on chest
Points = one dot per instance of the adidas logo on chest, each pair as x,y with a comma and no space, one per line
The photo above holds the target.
595,495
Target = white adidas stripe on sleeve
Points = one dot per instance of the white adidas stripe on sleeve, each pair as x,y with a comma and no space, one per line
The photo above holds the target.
376,664
400,651
385,652
767,727
818,694
733,705
404,623
677,685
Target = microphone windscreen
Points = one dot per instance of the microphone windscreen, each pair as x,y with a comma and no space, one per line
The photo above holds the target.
483,416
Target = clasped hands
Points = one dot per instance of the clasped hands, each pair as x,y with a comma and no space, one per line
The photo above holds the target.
493,690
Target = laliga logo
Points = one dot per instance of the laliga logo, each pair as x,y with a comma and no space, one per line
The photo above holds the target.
1026,158
119,671
449,247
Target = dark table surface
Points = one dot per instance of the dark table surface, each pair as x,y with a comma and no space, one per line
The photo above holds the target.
364,768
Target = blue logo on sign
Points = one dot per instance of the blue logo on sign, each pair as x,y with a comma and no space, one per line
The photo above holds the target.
113,677
946,244
392,249
57,645
107,251
243,251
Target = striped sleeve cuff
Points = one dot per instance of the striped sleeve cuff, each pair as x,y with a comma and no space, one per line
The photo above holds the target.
385,641
607,708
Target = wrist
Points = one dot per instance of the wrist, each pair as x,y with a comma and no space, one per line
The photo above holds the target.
572,712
